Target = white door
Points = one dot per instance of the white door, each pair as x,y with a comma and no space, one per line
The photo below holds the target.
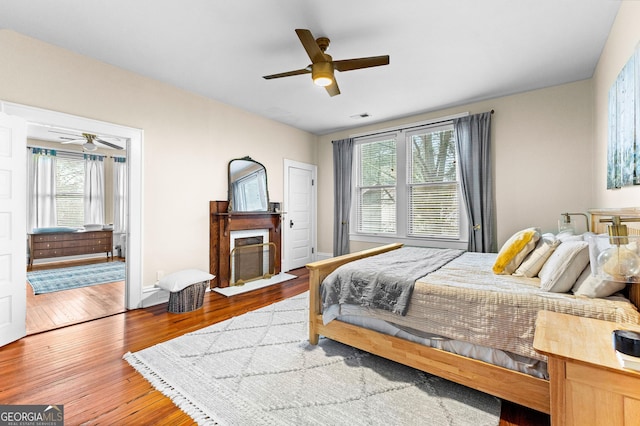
300,219
13,233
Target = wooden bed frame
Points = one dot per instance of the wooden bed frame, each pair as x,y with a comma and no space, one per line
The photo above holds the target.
508,384
511,385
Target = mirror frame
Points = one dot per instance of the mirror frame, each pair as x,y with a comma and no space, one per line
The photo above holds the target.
230,209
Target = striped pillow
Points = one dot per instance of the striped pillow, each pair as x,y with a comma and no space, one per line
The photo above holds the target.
562,269
534,262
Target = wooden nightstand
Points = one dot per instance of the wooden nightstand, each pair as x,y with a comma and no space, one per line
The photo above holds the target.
588,386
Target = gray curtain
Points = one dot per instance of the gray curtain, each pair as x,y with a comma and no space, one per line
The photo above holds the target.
342,164
473,138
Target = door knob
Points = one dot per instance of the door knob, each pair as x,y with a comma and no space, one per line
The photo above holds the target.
290,223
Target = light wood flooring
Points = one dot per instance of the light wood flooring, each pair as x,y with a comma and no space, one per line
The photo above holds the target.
62,308
81,366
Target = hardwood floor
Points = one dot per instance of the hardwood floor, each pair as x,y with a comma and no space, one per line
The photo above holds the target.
81,366
62,308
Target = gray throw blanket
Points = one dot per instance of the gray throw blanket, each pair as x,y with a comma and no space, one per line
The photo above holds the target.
384,281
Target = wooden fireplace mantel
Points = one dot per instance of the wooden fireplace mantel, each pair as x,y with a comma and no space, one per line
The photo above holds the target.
222,222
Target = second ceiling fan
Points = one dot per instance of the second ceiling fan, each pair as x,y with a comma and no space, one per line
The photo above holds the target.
322,64
88,141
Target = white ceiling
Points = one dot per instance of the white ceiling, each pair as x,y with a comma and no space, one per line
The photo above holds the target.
442,53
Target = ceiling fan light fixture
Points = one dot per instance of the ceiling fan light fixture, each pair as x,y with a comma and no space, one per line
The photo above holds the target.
89,146
322,73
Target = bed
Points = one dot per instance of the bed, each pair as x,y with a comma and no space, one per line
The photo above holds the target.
365,327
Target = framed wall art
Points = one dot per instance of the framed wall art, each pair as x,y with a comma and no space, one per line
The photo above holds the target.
623,149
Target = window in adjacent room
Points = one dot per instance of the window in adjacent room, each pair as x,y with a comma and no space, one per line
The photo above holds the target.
407,185
69,190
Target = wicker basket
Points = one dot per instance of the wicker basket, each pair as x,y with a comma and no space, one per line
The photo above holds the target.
188,299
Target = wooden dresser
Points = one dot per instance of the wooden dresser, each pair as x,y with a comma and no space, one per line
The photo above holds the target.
57,244
588,386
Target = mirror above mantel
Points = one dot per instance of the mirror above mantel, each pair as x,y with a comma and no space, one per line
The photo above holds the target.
248,191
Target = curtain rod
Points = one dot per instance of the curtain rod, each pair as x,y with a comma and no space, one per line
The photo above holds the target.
412,126
65,151
75,152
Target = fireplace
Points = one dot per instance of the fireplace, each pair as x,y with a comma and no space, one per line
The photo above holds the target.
251,256
225,228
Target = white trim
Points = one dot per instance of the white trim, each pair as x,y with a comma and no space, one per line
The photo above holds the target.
134,139
401,186
314,203
153,296
418,242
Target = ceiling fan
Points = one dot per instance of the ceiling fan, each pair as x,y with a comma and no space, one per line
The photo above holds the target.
322,65
88,140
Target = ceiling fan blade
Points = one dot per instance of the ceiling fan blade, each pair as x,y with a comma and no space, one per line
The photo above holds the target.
354,64
333,88
310,45
109,144
288,73
71,140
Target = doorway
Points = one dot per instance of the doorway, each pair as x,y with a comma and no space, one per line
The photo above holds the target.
70,278
132,286
299,225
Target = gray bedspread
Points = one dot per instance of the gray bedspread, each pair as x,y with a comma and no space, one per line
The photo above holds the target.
384,281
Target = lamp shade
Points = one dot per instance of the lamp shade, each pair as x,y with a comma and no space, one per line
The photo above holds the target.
89,146
322,73
615,258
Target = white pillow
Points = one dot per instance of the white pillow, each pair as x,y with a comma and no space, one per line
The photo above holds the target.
592,286
534,261
564,266
565,236
182,279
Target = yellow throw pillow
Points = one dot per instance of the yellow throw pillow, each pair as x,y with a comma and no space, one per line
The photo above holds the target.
515,250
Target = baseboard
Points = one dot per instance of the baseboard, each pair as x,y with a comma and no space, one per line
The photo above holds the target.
324,256
152,296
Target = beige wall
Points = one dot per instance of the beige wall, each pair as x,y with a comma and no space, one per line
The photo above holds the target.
623,39
541,144
549,144
188,140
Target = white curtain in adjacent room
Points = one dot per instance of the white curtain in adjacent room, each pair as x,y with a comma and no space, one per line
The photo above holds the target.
93,189
41,188
119,195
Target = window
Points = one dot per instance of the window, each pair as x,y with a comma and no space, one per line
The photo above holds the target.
433,184
407,185
376,187
69,190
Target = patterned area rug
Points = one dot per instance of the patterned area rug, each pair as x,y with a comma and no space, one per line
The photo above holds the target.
50,280
258,369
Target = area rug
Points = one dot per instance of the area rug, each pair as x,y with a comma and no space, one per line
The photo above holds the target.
258,369
50,280
254,285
